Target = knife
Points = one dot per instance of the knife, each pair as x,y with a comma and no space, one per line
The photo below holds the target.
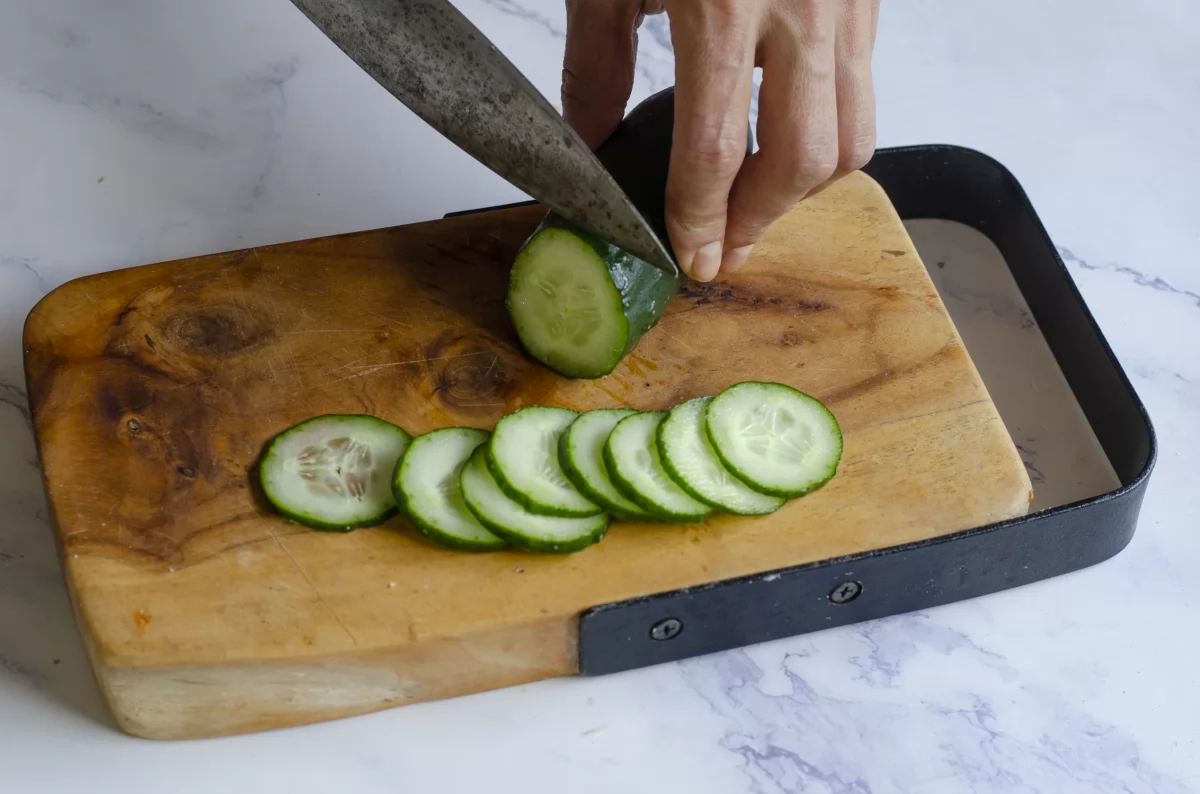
430,57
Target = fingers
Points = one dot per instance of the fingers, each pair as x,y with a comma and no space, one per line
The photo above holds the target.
598,68
797,125
714,59
855,89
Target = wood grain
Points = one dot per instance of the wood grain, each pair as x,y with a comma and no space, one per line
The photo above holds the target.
155,388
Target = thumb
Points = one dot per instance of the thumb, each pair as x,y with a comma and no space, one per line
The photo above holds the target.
598,67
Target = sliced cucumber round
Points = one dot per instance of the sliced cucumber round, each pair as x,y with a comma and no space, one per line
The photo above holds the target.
507,519
631,455
581,452
689,458
776,439
332,472
428,488
523,457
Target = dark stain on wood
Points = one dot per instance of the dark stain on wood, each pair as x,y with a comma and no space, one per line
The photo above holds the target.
745,296
219,330
479,374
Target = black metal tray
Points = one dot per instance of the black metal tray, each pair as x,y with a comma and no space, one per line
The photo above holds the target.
956,184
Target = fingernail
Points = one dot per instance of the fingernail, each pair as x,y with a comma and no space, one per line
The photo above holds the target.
707,262
735,258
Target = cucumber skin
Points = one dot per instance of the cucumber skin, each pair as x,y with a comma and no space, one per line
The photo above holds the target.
662,515
429,531
785,493
322,526
644,289
315,523
579,481
674,475
542,547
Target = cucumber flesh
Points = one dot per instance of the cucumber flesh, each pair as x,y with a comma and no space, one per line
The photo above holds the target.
333,472
689,458
427,484
777,440
523,457
580,304
631,455
507,519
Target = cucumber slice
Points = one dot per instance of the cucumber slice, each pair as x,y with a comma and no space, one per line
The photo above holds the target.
507,519
776,439
581,452
428,488
631,455
523,457
689,458
331,472
580,304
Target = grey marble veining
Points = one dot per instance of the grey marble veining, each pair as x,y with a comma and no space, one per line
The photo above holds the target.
137,132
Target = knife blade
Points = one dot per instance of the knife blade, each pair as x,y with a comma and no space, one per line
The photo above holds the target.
430,57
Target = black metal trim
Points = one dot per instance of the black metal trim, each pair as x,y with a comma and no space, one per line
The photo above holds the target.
963,185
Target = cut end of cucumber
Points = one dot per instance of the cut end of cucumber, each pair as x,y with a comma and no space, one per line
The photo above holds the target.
567,311
777,440
427,484
688,456
333,472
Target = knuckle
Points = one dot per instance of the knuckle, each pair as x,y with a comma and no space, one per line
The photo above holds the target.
812,166
718,149
857,153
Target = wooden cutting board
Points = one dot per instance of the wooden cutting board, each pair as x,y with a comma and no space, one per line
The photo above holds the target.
155,388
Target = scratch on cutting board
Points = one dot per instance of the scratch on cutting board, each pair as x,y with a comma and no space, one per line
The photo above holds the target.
370,369
373,367
670,335
372,354
319,595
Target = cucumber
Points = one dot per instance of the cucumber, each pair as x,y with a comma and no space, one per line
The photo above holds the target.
777,440
580,304
332,472
505,518
523,457
428,487
631,456
689,458
581,452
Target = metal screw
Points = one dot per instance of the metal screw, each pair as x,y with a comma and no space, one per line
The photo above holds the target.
666,629
845,592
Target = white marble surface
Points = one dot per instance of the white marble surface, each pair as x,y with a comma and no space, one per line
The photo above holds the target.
134,131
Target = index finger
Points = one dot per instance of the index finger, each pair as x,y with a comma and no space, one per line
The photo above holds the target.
714,64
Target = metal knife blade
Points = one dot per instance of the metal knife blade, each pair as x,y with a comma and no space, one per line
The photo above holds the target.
431,58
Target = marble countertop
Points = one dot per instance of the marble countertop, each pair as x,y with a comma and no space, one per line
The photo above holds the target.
135,132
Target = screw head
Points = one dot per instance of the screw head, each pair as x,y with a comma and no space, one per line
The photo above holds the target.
666,629
845,592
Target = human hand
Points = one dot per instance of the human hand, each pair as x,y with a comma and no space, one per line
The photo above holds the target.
816,107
